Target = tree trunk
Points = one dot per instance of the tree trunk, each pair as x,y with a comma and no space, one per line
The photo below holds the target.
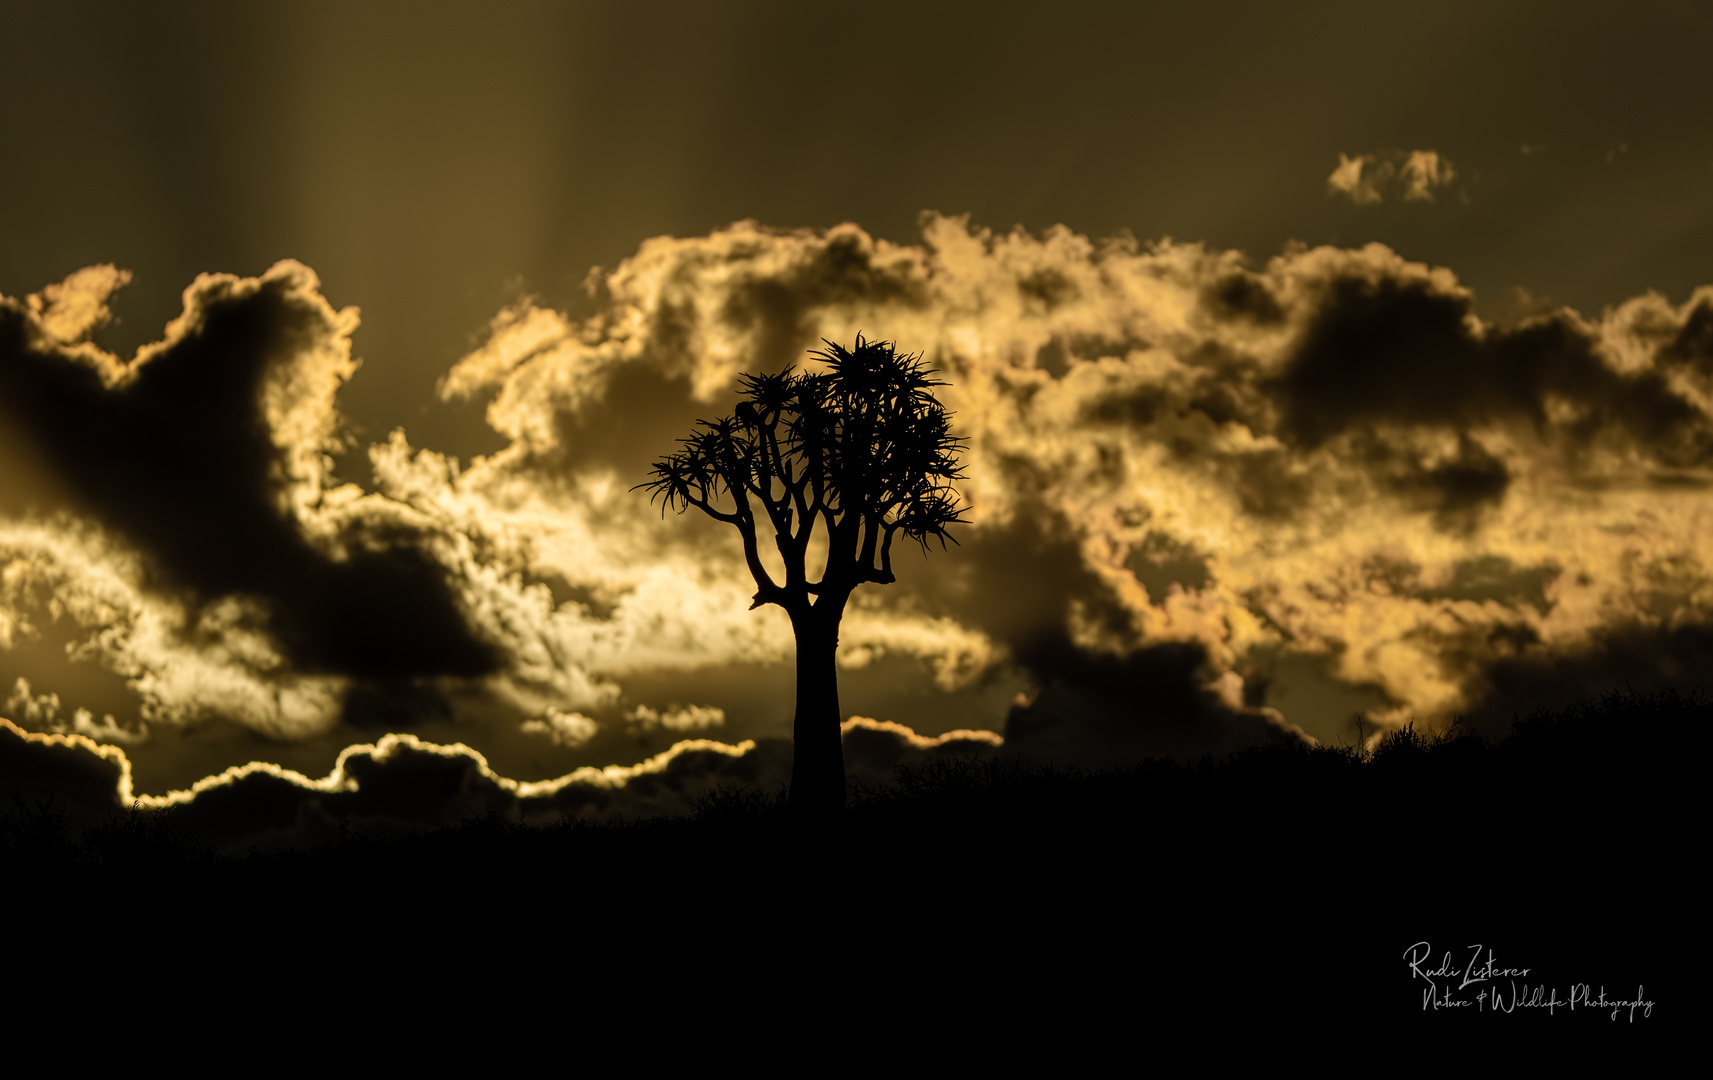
818,754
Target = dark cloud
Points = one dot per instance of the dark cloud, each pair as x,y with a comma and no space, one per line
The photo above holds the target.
178,455
1272,484
1047,289
400,785
70,773
636,416
1483,578
876,750
1693,344
394,705
979,584
1137,407
1100,710
1243,295
668,791
1384,349
1096,706
1390,350
1162,562
1515,676
1455,489
394,787
1384,363
1053,358
1464,483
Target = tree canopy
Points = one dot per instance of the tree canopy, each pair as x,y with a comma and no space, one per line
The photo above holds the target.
862,446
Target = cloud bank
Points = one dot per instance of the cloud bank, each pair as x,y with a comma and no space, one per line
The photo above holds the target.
1329,455
1186,471
401,784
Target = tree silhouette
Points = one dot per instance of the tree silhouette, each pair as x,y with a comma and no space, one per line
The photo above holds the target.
862,448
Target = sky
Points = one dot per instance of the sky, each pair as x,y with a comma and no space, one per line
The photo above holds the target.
1324,367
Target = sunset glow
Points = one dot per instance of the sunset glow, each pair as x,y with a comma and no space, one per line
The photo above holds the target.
322,402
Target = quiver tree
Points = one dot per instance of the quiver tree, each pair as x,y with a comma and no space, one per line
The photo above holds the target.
860,448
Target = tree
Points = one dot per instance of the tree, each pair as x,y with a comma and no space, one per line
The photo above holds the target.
861,448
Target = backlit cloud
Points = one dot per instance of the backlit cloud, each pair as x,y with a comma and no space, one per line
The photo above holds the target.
1332,453
1416,176
1186,472
178,509
401,784
43,712
686,718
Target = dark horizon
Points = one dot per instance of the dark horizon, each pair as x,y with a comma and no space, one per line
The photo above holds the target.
1463,900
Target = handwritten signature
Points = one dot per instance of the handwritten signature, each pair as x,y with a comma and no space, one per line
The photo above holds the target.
1440,993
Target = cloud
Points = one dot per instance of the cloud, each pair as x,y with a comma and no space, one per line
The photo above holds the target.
1368,179
1098,710
69,312
564,728
686,718
1180,463
400,784
203,464
86,779
875,750
1184,469
1640,655
183,662
178,510
44,711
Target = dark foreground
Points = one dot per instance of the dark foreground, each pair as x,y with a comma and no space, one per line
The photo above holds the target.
1165,906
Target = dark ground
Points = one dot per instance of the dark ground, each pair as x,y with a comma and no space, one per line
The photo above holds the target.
998,905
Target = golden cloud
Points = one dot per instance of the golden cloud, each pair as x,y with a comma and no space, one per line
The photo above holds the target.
1367,179
1178,461
1358,466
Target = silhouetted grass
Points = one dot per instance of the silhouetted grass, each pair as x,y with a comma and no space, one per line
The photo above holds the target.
1451,784
1570,840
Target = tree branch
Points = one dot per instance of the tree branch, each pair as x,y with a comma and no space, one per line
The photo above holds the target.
702,505
767,590
886,576
862,448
